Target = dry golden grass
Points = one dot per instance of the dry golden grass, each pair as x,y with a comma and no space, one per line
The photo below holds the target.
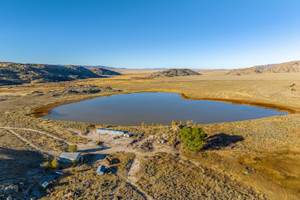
262,88
9,141
81,182
271,146
42,141
165,176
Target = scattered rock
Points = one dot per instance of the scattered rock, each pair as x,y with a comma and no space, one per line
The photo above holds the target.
10,190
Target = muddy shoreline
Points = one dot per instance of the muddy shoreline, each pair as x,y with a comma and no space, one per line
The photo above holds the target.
247,102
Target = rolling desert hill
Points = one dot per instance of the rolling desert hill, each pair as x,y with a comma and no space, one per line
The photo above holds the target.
173,73
104,72
17,73
287,67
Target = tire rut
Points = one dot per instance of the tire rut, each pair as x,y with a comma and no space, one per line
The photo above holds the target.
28,143
43,133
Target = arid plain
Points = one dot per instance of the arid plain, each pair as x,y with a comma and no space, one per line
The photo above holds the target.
263,163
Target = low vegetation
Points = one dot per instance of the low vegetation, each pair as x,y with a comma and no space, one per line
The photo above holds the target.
80,90
52,164
122,161
81,182
249,156
73,148
41,141
165,176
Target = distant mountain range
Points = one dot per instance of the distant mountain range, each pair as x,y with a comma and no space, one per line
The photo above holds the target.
17,73
287,67
100,66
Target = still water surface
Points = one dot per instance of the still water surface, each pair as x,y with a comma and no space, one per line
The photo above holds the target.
133,109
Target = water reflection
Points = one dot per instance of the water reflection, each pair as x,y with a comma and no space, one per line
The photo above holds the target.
133,109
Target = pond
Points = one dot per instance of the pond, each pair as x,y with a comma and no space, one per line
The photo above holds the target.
160,107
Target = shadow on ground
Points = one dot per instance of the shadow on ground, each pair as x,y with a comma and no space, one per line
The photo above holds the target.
20,166
91,158
15,163
93,149
221,140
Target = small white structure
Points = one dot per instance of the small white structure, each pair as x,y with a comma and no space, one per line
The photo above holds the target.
128,134
70,157
101,170
162,141
109,131
116,132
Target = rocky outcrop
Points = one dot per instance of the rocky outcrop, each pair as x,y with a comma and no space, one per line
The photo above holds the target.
172,73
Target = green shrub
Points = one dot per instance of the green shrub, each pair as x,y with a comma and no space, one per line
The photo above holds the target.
193,138
52,164
74,162
73,148
48,164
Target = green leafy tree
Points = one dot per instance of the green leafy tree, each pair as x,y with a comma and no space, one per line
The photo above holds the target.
193,138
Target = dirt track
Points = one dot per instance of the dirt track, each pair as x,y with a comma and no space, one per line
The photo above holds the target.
30,144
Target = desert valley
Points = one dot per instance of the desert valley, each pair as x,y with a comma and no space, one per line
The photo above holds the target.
149,100
249,159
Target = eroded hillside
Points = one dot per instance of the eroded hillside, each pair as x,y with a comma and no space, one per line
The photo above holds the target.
287,67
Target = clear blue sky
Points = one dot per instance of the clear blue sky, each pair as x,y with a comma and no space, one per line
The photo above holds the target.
150,33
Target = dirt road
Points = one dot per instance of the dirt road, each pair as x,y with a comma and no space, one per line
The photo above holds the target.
30,144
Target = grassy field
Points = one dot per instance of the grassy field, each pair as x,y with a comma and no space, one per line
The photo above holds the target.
165,176
263,154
